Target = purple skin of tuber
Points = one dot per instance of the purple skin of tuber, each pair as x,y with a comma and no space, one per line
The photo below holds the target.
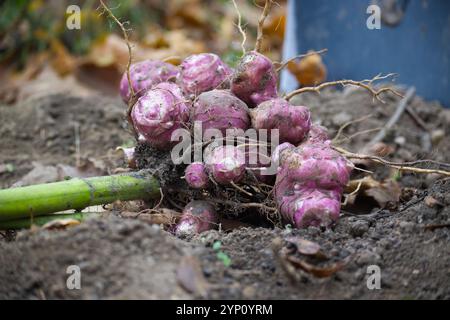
198,216
203,72
309,183
255,79
225,163
317,133
159,112
220,109
196,175
293,122
146,74
311,207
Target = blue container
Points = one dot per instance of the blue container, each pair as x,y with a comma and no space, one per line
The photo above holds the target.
414,41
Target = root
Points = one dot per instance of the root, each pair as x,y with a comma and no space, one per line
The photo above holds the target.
245,205
282,65
365,84
345,125
239,25
130,59
401,166
260,36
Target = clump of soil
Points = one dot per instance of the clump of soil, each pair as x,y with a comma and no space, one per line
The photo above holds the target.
160,164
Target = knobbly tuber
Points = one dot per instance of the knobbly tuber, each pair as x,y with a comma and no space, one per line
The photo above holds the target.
203,72
255,79
220,109
196,175
225,163
310,182
198,216
146,74
292,122
158,112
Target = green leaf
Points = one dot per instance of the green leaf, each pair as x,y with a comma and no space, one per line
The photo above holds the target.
217,245
222,256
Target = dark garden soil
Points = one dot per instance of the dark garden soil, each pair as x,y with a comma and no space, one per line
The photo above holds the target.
127,258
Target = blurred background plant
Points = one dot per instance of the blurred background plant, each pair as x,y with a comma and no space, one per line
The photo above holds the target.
34,37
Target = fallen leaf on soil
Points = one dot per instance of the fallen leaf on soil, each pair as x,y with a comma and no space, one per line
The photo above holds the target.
60,224
190,276
319,272
290,262
384,193
432,202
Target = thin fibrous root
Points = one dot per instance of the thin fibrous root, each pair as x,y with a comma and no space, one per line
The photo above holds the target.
365,84
282,65
239,25
130,59
244,205
345,125
406,166
260,35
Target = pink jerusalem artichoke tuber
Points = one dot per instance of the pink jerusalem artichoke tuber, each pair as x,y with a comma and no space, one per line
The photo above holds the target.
225,163
145,75
159,112
203,72
198,216
317,133
196,175
292,122
255,79
220,109
310,182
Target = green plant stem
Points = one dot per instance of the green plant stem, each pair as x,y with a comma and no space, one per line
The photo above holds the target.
76,193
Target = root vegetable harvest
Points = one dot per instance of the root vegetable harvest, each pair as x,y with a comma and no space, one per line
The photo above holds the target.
311,173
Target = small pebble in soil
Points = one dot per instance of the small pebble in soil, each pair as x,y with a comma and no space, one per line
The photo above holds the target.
359,228
367,257
407,226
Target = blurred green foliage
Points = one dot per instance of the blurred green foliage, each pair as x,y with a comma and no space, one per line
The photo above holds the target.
30,26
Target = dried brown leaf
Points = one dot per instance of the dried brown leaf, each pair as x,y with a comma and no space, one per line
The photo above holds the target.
60,224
